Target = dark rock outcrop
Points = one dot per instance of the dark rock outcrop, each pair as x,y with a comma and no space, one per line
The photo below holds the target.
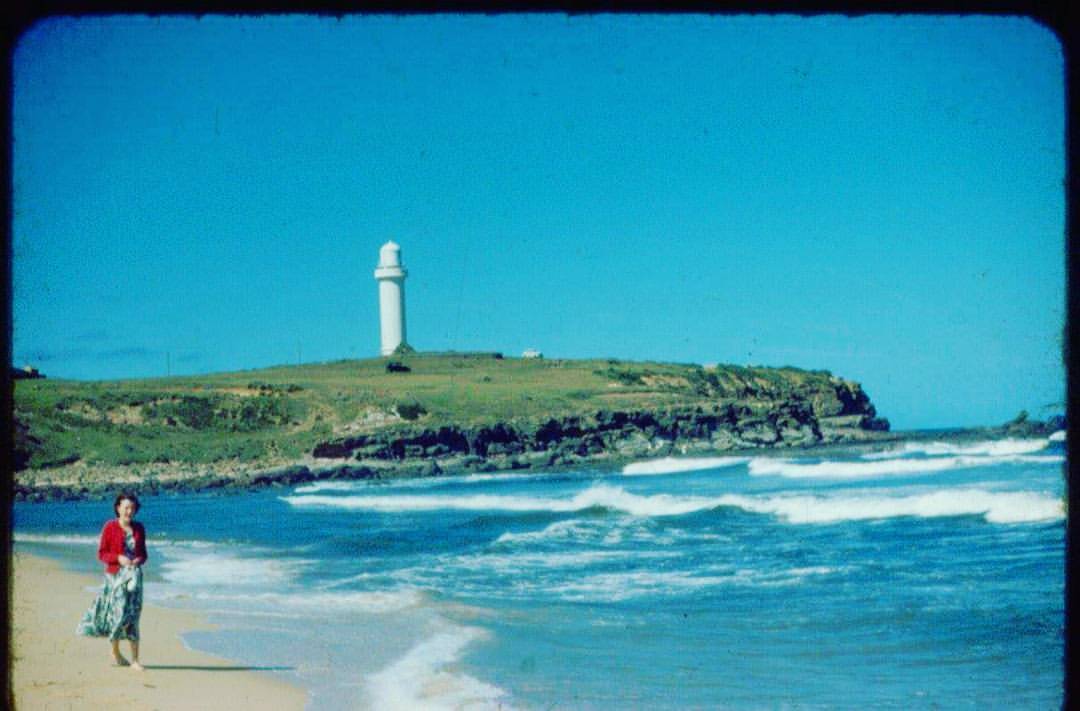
842,412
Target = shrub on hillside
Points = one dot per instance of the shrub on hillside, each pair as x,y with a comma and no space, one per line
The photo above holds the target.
410,410
624,376
215,412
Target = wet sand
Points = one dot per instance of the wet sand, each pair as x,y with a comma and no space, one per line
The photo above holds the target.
53,668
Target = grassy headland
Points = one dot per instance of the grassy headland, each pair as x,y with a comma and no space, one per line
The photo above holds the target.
273,416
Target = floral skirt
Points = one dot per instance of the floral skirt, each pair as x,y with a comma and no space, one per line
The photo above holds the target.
115,612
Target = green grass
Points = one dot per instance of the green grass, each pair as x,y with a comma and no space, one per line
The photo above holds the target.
283,412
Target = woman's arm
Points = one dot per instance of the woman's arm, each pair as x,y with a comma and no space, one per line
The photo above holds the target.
107,552
140,545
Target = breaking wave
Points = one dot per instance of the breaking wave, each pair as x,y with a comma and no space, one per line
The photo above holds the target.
599,496
994,507
671,465
767,466
992,448
423,679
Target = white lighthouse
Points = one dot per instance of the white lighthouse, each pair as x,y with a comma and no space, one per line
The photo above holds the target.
391,277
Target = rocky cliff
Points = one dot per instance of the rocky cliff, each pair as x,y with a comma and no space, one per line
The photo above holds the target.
770,418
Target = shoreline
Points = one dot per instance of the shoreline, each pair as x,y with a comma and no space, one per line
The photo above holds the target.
53,668
83,481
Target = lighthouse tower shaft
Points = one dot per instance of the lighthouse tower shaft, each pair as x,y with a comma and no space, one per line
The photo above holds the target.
391,277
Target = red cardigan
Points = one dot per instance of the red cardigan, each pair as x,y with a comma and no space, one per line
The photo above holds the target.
112,545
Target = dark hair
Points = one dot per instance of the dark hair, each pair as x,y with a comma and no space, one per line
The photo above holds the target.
124,495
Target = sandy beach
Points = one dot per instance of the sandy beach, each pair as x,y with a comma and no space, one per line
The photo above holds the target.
52,668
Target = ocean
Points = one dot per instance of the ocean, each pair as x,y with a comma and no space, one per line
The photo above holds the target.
927,575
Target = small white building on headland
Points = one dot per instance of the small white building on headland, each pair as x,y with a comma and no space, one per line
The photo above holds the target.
391,277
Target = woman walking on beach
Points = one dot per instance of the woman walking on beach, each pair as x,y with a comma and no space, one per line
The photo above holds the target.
115,612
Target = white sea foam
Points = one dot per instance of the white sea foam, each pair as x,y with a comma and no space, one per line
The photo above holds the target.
589,532
411,483
1058,436
307,601
671,465
995,507
154,541
1038,458
58,539
577,530
828,469
613,587
421,680
617,498
163,542
198,568
767,466
331,486
781,577
598,496
991,448
604,532
799,573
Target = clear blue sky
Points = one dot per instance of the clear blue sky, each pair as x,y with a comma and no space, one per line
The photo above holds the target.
881,197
